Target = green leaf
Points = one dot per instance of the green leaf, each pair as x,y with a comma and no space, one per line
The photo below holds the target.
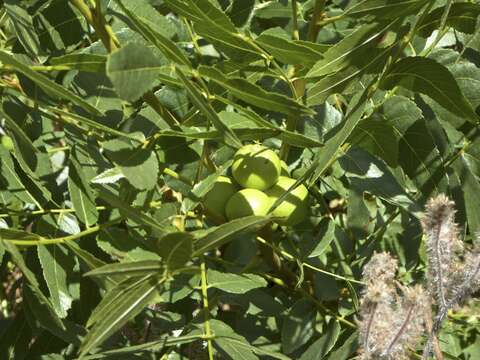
377,137
122,308
109,176
24,141
81,194
273,9
57,265
349,347
34,286
224,233
384,9
165,45
470,185
129,212
202,10
2,252
328,155
145,10
131,268
204,106
241,11
234,283
420,158
251,133
80,61
13,234
366,172
428,77
203,187
298,326
45,83
346,51
211,23
236,346
400,112
290,137
288,52
322,346
22,22
13,182
161,343
91,262
132,70
90,123
372,61
324,238
254,94
462,16
465,72
134,162
175,249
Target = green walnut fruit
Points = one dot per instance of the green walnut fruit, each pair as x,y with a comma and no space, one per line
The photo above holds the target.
247,202
294,208
7,142
256,167
216,199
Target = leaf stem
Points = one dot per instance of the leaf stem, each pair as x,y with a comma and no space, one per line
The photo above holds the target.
298,85
313,26
59,240
295,34
208,332
291,257
177,176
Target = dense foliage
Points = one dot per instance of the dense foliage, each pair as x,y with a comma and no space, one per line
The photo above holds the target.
117,119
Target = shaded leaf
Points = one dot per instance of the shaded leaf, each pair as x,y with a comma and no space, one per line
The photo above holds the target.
348,49
22,22
42,301
370,174
338,82
298,326
146,28
224,233
255,95
81,194
377,137
349,347
120,309
128,211
322,346
45,83
203,105
462,16
428,77
324,237
175,249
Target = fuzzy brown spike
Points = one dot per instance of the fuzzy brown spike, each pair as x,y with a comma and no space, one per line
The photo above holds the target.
389,323
409,324
442,243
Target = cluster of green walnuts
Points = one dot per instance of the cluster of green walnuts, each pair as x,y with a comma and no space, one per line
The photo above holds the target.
259,179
